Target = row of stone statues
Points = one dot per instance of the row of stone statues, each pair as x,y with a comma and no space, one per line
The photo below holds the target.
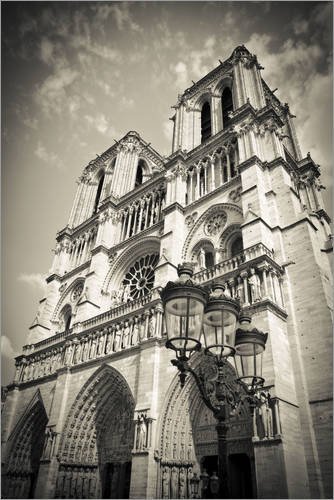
114,338
121,296
176,481
16,485
249,287
77,482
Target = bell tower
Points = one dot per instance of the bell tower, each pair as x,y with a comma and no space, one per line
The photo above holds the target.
241,205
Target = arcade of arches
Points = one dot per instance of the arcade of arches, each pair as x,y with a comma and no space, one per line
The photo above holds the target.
101,435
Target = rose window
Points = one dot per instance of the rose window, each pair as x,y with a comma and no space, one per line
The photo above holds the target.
140,276
77,292
215,224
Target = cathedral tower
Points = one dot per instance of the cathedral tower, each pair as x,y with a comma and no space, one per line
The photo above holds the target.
96,409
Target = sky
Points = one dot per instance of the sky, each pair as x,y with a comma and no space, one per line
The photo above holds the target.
78,75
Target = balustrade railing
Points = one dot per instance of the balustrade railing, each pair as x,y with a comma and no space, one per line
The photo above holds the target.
249,278
96,343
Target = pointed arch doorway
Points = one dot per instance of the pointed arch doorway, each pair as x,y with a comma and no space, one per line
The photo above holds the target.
188,442
96,445
25,448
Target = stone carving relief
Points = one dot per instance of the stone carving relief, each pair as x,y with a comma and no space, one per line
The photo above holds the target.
76,293
215,224
88,440
190,219
235,194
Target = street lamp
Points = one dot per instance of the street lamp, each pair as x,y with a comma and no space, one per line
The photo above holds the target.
195,316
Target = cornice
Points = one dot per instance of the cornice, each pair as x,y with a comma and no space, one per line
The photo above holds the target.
84,226
250,162
174,206
76,270
224,135
53,277
158,180
220,189
146,232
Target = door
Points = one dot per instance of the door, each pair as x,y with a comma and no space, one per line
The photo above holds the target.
240,476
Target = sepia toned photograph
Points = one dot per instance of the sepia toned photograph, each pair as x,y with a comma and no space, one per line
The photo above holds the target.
167,285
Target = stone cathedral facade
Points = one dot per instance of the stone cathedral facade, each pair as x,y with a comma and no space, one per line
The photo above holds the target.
96,409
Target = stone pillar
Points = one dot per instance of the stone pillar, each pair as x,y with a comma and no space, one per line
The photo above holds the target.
244,275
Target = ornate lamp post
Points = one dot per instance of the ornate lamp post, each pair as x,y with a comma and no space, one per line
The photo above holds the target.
193,315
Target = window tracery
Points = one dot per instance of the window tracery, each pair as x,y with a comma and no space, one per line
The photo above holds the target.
139,279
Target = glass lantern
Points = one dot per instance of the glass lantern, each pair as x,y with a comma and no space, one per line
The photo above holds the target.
249,345
219,323
184,306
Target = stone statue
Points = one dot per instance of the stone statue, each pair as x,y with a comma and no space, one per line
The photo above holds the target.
49,436
117,339
85,350
126,294
99,344
165,482
126,334
151,326
141,433
174,483
135,332
239,292
92,352
76,353
182,483
266,416
108,347
68,354
202,259
255,286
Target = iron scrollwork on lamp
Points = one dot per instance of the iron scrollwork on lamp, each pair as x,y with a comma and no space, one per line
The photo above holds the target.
194,316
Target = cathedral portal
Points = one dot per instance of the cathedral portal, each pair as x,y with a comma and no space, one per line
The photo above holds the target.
95,451
188,442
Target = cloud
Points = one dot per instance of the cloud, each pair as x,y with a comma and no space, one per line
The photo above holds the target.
35,280
167,128
51,159
101,124
181,72
123,18
51,94
300,26
7,349
106,88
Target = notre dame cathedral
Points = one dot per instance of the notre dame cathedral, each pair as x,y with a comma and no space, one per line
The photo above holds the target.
96,409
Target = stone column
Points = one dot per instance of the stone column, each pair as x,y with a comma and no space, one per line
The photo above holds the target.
213,185
130,212
228,166
198,169
264,269
244,275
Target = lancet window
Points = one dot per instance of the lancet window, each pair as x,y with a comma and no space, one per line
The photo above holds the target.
227,106
79,249
98,194
212,172
142,214
205,122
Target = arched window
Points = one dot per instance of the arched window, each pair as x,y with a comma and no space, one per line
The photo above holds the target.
65,319
206,122
209,259
227,105
237,246
139,174
206,256
98,193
